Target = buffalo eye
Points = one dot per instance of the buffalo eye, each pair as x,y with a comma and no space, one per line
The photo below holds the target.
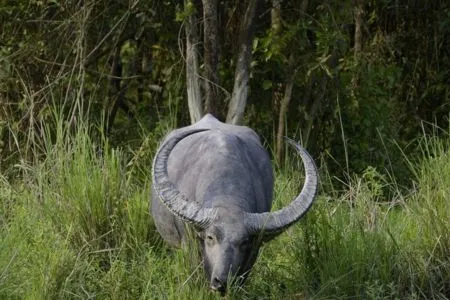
209,239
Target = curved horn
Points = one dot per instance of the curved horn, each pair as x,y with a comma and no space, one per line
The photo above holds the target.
272,223
168,193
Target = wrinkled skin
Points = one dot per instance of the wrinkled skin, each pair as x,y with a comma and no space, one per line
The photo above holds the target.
226,168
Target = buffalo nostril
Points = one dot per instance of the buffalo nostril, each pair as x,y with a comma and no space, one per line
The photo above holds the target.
218,285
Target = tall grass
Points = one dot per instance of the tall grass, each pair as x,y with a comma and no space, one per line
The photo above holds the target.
75,225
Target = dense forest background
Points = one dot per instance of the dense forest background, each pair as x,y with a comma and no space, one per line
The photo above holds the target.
355,81
88,89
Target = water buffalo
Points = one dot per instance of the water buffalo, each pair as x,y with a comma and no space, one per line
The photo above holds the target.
218,178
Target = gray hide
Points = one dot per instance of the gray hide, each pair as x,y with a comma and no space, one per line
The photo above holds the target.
219,178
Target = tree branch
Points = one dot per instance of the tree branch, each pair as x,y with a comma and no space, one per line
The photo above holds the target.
358,15
284,106
192,83
290,79
211,56
242,73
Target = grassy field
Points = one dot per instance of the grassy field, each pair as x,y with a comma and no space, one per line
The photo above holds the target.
74,224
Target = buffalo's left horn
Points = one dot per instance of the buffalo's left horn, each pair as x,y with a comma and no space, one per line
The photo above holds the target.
168,193
272,223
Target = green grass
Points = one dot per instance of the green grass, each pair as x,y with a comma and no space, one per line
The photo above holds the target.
75,225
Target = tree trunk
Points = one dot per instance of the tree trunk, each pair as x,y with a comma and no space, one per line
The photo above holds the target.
284,106
242,73
291,71
138,60
358,14
192,78
116,95
211,56
319,99
359,19
275,15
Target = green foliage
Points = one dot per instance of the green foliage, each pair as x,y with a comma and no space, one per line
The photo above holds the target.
77,225
188,10
34,259
123,64
74,187
64,54
359,247
370,118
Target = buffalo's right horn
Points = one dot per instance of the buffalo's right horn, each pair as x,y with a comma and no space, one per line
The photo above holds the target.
273,223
